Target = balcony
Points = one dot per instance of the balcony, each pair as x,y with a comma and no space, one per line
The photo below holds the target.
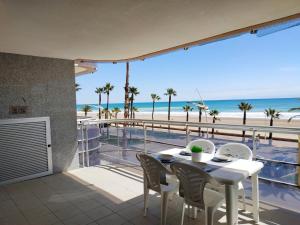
108,186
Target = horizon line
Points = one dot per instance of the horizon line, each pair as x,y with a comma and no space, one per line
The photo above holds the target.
241,99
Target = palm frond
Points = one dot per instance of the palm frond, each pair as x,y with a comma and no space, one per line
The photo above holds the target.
290,119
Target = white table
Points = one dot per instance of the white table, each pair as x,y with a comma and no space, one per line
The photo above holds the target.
230,174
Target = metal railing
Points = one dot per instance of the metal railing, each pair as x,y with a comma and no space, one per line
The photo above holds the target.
146,124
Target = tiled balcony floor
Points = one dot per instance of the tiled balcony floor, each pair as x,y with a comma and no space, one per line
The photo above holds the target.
109,195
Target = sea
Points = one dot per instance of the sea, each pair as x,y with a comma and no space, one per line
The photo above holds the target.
227,108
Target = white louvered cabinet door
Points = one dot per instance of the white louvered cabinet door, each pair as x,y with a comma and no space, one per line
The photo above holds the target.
25,149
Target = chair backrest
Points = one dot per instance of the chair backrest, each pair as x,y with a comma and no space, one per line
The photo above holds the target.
207,145
236,150
154,171
192,183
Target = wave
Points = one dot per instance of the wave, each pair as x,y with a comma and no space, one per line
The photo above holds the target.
253,115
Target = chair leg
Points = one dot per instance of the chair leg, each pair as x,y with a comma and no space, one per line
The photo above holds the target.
182,214
194,212
146,197
209,215
164,207
243,199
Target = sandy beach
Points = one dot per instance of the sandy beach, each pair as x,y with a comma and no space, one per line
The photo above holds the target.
223,120
194,118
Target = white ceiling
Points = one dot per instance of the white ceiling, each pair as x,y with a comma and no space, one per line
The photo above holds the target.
123,29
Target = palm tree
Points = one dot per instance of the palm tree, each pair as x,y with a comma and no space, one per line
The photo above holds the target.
201,107
273,114
170,92
77,87
107,113
116,110
126,88
107,89
133,91
214,113
86,109
99,91
155,98
134,110
186,109
244,106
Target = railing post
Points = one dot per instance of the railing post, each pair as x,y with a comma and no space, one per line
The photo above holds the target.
100,125
87,146
254,144
118,141
145,138
298,161
187,134
82,145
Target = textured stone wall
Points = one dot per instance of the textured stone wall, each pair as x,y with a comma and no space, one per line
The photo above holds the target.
47,87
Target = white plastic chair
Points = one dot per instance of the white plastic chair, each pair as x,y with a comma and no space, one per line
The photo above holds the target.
192,183
207,145
155,179
239,151
235,150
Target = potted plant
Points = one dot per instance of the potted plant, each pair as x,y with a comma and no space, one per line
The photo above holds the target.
196,153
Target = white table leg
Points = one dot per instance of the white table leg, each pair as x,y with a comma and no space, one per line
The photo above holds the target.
231,204
255,197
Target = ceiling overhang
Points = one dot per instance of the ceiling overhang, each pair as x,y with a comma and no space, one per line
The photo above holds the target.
112,31
82,68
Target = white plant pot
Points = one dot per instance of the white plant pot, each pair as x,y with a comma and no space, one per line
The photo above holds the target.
196,157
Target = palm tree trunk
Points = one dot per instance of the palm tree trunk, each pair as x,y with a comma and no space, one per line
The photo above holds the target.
99,106
153,110
213,129
271,124
200,118
107,103
244,122
187,116
85,113
169,108
126,105
131,107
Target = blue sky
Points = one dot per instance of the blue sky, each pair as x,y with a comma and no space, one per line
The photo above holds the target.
239,68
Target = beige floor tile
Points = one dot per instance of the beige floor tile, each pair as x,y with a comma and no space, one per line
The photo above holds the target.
8,208
45,219
93,223
127,223
88,205
113,219
59,205
130,212
98,213
79,219
3,195
145,220
32,212
117,206
58,223
66,213
16,219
